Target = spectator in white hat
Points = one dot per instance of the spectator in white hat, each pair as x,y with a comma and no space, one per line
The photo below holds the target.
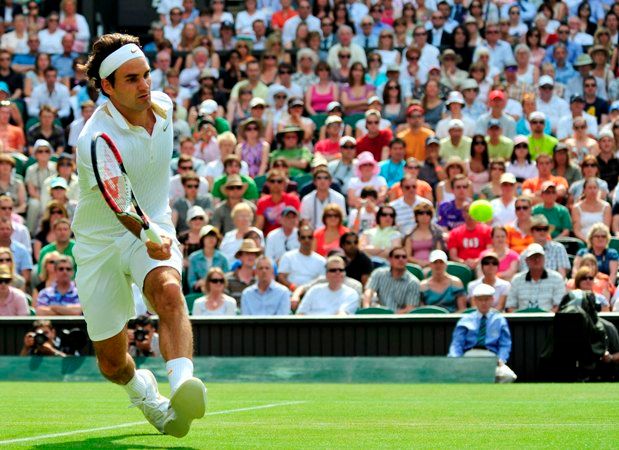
36,174
454,104
550,104
441,288
456,144
540,142
342,169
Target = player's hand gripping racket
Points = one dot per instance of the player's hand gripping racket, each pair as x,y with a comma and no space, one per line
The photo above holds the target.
116,188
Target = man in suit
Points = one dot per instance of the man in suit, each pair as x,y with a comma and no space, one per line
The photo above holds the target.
438,35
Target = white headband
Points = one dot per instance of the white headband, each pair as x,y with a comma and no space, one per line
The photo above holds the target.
117,58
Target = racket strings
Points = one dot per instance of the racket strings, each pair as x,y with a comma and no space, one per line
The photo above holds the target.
116,183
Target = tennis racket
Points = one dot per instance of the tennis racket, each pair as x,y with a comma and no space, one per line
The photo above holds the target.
115,186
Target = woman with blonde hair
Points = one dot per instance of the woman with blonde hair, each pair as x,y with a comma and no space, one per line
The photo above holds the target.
598,240
274,45
6,257
424,237
47,273
327,237
588,278
453,167
214,302
242,217
590,211
268,68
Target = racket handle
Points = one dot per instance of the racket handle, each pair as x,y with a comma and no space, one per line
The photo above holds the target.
150,235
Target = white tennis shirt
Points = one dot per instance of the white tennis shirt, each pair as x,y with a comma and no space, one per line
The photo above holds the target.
147,162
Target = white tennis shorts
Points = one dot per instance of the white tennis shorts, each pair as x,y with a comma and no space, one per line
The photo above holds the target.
104,278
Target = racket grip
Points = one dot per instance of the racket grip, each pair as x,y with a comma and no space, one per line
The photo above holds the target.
149,234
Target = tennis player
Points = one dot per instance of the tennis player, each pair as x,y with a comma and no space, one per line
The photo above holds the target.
110,258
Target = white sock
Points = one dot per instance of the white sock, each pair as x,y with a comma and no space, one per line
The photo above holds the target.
136,387
179,370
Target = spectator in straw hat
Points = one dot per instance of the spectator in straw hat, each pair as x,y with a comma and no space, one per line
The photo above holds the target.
233,191
243,276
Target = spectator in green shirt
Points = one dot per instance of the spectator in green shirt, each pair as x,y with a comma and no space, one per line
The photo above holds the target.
291,149
557,215
63,243
499,146
540,142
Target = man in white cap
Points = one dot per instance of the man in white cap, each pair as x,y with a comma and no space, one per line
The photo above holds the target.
540,142
473,107
484,332
456,144
577,109
139,121
375,103
537,287
342,169
455,103
36,175
547,102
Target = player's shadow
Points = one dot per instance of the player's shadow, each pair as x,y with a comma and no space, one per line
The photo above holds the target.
110,442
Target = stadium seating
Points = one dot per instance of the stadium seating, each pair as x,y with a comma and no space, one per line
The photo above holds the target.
430,309
571,244
415,270
191,298
460,271
374,310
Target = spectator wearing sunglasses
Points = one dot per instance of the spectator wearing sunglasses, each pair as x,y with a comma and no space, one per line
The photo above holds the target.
12,300
489,267
393,286
61,299
556,255
467,241
270,206
214,302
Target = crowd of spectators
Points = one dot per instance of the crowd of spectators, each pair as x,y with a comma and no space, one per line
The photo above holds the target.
326,153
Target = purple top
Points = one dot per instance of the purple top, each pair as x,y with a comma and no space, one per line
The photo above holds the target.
368,91
51,297
252,156
449,216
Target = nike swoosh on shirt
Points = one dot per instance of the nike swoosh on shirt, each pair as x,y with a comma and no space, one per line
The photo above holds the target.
166,127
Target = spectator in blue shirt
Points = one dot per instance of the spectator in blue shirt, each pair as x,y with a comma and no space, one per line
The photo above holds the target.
21,257
60,299
484,332
266,297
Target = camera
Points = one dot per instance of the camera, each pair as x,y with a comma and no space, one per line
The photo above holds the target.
40,338
140,334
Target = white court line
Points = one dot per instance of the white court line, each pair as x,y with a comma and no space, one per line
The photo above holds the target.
144,422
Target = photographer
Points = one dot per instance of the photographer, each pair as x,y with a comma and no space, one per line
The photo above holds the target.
143,337
41,340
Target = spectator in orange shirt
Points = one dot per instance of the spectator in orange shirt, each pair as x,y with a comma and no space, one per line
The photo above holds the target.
416,134
519,233
533,186
12,137
411,169
280,17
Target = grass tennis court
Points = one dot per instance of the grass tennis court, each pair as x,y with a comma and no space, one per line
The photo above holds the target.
321,416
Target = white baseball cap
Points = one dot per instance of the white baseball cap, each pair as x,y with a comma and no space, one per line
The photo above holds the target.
438,255
483,290
534,249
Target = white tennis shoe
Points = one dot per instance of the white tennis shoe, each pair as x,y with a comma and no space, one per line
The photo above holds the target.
153,405
186,404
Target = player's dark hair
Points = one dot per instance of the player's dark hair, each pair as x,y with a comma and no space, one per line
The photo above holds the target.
101,49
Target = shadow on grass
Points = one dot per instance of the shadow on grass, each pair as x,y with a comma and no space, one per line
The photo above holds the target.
111,442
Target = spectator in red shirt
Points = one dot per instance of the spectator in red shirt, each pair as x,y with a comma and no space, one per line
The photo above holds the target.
329,147
467,241
376,141
270,206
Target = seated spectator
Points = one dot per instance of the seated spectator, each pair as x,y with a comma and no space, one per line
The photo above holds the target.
229,161
51,93
499,146
332,298
585,280
302,265
185,165
65,168
36,174
270,206
444,191
492,189
485,330
377,242
598,241
58,191
366,174
456,144
47,273
292,149
342,169
574,149
377,141
536,287
214,302
520,164
607,161
431,170
519,233
556,255
404,205
254,149
267,297
327,237
590,210
358,265
20,232
45,233
467,241
11,136
412,168
243,276
12,301
533,186
60,299
558,216
489,267
21,256
191,186
6,257
329,147
208,256
508,258
364,218
233,191
425,236
441,288
393,287
450,213
284,238
190,238
589,168
62,242
242,217
47,131
415,133
503,209
540,143
314,203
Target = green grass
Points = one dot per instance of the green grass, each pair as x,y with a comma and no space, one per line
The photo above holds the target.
328,416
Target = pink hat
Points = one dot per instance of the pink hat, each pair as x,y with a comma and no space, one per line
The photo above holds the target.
366,158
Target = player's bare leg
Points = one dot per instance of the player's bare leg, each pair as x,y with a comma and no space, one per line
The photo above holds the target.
117,366
162,288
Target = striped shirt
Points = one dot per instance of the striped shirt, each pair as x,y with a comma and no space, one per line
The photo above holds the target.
404,215
556,257
394,293
146,159
544,293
